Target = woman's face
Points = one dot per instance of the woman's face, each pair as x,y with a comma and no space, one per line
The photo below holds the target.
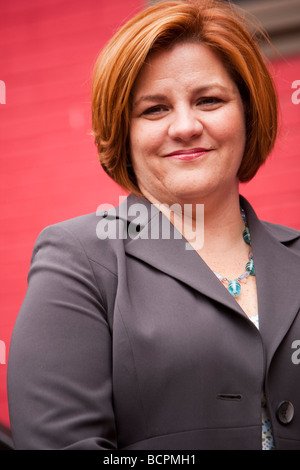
187,126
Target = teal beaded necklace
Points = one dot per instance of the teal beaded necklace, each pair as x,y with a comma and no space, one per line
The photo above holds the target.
234,285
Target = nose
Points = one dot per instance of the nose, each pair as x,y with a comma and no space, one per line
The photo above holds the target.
185,125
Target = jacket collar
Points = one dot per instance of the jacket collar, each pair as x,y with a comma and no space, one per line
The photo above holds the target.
172,257
277,269
276,266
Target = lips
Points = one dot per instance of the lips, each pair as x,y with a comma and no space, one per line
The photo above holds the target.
188,154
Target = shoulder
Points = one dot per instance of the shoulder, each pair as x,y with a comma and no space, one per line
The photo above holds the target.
80,235
282,232
80,229
286,235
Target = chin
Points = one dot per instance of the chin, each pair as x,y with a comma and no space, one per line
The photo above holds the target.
192,191
188,196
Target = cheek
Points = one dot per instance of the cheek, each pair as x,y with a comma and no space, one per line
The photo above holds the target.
230,130
233,121
142,152
134,140
145,143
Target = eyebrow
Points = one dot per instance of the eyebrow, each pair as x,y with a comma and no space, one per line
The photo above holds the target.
161,97
149,98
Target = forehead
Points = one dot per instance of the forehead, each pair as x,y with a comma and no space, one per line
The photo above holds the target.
184,64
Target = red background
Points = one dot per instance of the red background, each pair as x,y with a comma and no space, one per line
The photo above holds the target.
48,161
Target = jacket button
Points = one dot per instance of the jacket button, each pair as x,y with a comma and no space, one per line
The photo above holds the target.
285,412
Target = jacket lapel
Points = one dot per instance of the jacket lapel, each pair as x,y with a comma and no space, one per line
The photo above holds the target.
277,267
172,257
277,270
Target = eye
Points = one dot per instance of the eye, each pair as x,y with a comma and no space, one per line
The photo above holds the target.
209,101
155,110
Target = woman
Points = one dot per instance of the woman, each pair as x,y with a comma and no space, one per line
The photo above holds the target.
129,338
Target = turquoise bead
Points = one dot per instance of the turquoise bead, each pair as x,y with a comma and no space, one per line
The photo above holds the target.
250,267
246,236
234,288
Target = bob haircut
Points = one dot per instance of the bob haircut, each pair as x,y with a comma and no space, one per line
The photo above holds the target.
216,24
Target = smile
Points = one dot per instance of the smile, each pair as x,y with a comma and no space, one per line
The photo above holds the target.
189,154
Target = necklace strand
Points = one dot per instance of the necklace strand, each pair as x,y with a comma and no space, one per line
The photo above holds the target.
234,285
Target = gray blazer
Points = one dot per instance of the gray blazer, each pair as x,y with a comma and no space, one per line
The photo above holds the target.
133,343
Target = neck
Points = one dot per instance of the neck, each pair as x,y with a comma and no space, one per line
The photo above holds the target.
220,215
223,224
